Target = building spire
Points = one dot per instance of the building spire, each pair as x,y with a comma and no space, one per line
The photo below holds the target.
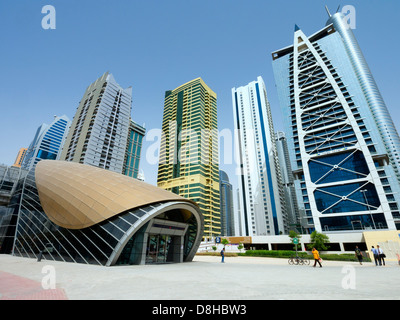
327,10
296,28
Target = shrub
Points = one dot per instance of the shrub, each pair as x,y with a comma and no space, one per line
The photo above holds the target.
289,253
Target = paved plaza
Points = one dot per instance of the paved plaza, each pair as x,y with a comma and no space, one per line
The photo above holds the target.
206,278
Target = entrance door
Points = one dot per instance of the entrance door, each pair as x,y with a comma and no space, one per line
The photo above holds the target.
158,246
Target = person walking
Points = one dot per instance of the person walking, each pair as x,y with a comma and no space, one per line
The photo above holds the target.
316,257
359,254
376,255
223,254
382,256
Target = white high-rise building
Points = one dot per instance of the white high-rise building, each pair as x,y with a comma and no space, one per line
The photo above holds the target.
99,130
261,197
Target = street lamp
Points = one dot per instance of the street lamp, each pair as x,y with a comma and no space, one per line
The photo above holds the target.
369,208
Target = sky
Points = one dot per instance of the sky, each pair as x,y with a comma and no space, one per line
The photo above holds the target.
158,45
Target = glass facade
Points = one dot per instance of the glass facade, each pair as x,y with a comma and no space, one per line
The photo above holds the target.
338,167
133,150
227,218
386,127
341,168
292,208
48,142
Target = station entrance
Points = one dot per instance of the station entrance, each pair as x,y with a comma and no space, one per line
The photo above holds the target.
164,241
158,247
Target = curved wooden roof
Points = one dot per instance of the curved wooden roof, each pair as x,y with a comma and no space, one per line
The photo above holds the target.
77,196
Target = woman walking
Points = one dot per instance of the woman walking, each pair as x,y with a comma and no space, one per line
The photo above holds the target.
316,257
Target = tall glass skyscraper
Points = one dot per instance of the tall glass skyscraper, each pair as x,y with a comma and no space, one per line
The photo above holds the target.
133,150
261,197
381,115
227,217
47,143
99,130
343,173
188,163
288,182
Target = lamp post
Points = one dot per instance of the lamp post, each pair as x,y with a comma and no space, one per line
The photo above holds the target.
369,208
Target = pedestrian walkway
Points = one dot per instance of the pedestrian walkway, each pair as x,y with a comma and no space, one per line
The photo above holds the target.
206,278
14,287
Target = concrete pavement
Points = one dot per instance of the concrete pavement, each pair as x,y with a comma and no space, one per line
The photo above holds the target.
206,278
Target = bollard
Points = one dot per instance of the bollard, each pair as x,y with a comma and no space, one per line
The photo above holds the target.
40,256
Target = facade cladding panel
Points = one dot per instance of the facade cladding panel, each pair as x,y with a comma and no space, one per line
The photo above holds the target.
343,176
122,235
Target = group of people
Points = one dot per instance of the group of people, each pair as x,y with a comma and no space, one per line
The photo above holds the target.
379,256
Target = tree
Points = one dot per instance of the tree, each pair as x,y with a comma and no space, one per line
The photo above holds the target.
240,247
225,242
318,241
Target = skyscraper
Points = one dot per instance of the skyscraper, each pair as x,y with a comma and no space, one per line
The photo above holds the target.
226,196
133,150
287,181
341,167
47,143
188,163
380,113
99,130
261,196
20,157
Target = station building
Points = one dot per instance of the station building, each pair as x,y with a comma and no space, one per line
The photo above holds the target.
73,212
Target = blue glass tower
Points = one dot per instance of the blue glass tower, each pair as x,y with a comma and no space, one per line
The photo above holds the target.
344,176
380,113
48,142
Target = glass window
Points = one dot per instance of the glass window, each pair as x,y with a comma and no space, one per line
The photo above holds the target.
347,198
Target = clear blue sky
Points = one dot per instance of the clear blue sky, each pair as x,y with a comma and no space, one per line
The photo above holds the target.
157,45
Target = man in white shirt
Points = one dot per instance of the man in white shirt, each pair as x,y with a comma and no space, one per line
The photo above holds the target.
376,256
381,255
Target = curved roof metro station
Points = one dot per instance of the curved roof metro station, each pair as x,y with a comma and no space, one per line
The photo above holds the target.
73,212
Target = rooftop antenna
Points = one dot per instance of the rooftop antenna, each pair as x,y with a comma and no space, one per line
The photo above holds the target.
327,10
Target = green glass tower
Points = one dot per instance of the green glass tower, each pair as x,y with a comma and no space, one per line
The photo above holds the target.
133,150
